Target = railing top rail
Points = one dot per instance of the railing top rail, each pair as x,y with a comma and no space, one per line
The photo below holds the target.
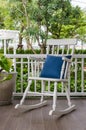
66,41
25,55
40,55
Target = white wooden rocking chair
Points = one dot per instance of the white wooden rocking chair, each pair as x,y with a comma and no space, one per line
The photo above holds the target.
50,69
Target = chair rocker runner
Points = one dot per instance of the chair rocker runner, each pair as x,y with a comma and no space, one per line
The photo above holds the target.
47,70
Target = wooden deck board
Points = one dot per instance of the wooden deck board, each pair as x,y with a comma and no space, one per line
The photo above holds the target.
38,119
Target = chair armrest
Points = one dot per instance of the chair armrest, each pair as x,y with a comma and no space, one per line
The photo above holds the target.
66,59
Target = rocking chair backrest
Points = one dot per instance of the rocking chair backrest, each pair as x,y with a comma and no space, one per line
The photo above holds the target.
60,46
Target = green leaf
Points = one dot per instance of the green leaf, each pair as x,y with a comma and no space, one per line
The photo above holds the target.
5,63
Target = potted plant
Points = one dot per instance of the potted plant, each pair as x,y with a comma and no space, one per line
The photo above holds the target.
7,80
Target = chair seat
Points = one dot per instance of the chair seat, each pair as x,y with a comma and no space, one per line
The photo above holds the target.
48,79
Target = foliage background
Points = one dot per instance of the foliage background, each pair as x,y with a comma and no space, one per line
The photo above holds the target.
38,20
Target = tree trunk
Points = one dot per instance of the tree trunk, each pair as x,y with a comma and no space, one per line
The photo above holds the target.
20,46
29,46
43,49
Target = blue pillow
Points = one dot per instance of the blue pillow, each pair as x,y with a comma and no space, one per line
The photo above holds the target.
52,66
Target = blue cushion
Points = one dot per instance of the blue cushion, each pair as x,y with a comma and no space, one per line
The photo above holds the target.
52,66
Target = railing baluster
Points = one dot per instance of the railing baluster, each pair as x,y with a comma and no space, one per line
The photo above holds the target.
22,75
75,74
82,75
14,64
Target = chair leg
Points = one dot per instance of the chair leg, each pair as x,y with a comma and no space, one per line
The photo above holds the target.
29,107
68,96
54,99
25,94
43,85
59,113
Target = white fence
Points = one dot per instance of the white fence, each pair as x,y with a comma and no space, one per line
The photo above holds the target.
77,78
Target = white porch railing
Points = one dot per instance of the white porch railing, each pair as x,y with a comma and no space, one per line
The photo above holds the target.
77,78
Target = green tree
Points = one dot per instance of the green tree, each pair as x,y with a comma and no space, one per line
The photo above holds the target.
65,19
20,11
38,20
6,22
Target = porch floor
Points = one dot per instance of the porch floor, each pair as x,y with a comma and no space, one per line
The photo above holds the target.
38,119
